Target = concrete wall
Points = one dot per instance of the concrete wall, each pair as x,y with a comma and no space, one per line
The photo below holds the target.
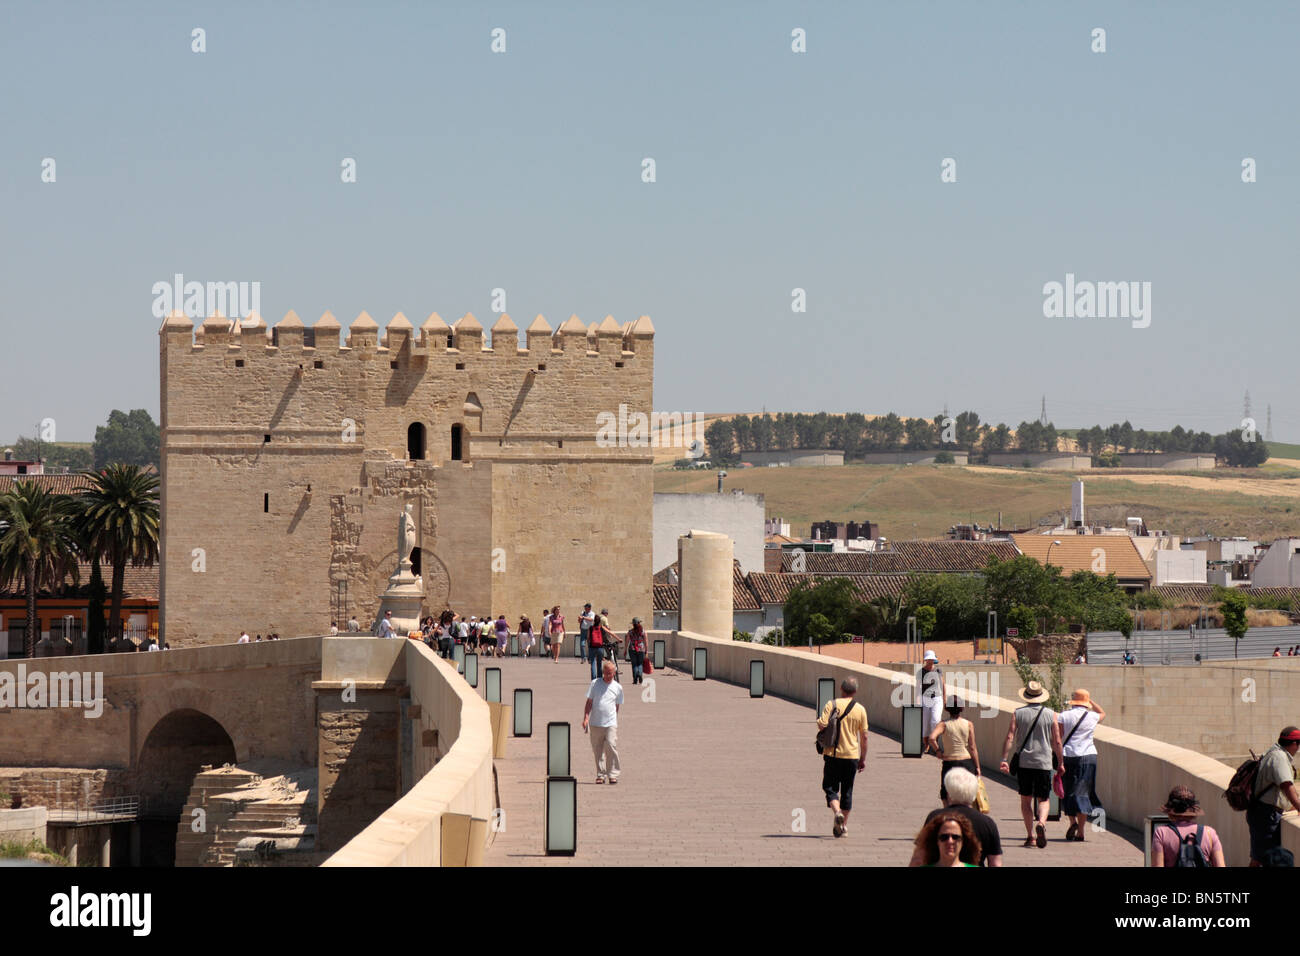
1135,773
23,826
911,457
452,759
1221,710
1280,565
811,458
1175,461
739,517
1177,567
1046,460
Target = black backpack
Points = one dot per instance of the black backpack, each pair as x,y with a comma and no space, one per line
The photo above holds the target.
828,737
1189,848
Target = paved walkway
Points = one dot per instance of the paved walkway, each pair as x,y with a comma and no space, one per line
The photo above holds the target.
713,777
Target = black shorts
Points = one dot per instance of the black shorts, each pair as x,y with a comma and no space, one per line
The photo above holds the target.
838,774
1035,783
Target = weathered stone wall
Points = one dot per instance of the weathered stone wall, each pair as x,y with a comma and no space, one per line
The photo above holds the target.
260,694
62,788
281,522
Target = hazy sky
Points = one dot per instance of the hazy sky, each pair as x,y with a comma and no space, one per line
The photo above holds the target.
775,170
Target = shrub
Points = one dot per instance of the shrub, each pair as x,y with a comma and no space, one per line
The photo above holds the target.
944,458
737,635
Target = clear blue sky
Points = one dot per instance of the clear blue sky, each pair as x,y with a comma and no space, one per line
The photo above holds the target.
776,170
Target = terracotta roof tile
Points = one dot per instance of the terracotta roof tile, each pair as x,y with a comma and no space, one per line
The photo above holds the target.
1076,553
776,588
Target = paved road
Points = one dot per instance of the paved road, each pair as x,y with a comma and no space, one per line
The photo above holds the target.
713,777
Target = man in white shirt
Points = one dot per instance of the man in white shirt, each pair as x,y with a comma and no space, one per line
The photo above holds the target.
386,625
354,626
604,698
243,638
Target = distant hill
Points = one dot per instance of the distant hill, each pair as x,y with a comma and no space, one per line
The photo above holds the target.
925,500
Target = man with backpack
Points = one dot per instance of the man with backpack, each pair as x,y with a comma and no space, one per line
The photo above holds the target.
842,742
1272,789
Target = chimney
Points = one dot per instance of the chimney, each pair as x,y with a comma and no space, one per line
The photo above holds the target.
1076,505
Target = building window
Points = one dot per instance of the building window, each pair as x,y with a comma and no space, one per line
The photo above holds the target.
266,439
266,503
239,363
415,441
318,364
458,442
392,365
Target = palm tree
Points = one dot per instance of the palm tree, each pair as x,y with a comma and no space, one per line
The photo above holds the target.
38,546
121,515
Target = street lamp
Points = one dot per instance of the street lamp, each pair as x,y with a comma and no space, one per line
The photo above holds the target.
1048,559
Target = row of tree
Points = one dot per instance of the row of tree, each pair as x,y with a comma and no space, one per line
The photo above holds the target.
1022,591
129,438
856,435
43,536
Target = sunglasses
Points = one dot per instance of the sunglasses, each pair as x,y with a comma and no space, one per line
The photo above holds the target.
945,837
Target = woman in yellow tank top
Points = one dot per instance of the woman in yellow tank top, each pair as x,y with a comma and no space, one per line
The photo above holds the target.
959,748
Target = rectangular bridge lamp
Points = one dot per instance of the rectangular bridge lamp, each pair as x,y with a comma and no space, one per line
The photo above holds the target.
471,669
557,749
513,647
492,685
756,678
458,655
825,693
911,731
561,816
701,663
661,655
576,639
523,712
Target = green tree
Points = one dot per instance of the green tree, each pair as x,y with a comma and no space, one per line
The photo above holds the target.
821,630
721,440
1233,607
1023,618
128,439
121,515
833,599
72,457
1022,581
38,546
925,619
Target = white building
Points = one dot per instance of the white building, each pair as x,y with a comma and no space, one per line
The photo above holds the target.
1280,565
739,516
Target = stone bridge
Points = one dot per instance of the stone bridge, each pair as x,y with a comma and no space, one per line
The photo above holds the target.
159,716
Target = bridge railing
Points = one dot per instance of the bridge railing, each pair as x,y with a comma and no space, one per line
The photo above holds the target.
454,775
1135,773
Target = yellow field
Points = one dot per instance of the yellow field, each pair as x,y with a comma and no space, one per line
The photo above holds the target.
925,500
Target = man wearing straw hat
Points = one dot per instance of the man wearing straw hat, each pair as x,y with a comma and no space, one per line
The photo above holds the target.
1035,738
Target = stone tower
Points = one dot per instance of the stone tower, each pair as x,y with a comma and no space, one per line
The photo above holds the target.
286,456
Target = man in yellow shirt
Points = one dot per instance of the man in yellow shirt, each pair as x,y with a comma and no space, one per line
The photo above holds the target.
842,762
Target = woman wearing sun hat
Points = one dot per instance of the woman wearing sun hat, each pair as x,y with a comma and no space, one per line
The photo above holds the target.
1078,722
1035,738
1168,840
